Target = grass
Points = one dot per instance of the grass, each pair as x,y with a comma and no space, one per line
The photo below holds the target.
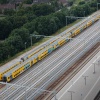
38,43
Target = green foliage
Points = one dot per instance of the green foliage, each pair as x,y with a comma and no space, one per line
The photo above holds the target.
28,1
0,11
3,1
17,21
22,32
14,44
9,12
81,2
5,28
70,2
42,9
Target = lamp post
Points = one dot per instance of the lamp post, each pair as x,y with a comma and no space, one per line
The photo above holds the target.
85,79
71,92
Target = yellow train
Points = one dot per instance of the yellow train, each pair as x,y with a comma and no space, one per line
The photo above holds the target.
13,73
2,72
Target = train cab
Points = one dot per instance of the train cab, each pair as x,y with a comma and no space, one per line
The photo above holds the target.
6,78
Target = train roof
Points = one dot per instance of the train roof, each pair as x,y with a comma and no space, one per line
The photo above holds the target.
3,69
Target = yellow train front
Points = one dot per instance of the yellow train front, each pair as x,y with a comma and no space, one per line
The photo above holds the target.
13,73
8,69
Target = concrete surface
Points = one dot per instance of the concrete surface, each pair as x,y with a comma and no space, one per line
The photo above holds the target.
83,90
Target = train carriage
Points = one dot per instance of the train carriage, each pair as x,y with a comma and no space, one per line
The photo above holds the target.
2,72
61,41
13,73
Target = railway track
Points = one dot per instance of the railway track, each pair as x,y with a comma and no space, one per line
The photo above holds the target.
55,56
20,90
46,70
70,73
29,95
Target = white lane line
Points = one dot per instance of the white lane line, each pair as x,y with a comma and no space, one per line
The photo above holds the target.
74,82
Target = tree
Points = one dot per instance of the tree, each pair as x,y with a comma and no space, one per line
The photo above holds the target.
42,9
28,1
17,21
61,17
4,51
9,12
15,43
3,1
52,27
5,28
70,2
22,32
81,2
30,26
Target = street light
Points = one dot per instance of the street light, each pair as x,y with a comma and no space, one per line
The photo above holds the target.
97,6
71,92
85,79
